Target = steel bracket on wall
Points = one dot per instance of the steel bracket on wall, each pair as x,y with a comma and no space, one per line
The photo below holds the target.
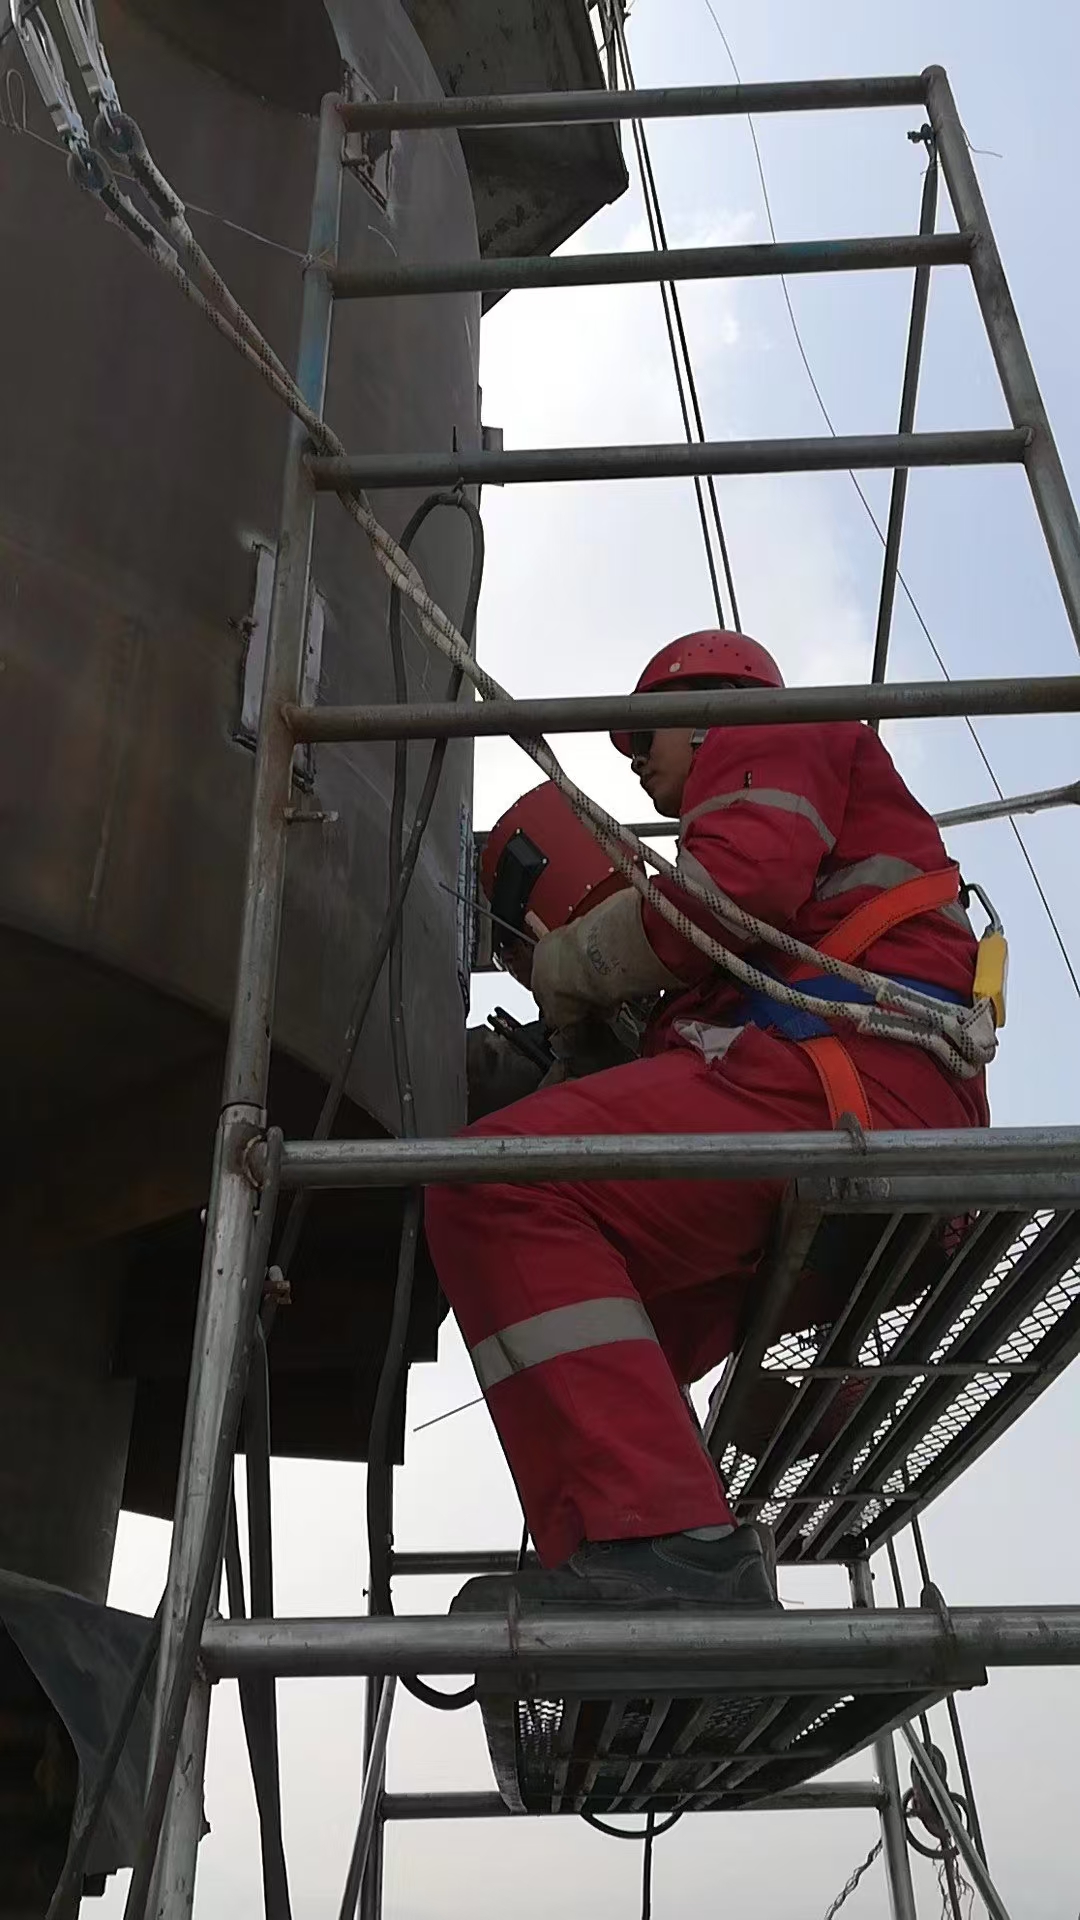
367,154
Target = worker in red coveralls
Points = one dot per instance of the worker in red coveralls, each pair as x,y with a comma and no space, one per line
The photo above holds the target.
587,1306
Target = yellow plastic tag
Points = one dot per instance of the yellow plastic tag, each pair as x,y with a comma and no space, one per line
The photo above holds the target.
992,972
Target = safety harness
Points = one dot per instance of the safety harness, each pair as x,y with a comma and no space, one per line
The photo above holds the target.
849,940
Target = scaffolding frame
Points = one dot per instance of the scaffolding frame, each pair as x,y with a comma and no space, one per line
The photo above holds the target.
1035,1166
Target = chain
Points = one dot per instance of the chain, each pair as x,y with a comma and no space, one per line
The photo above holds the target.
846,1891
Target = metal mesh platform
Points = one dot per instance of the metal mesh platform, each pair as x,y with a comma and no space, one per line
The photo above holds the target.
945,1332
936,1331
579,1750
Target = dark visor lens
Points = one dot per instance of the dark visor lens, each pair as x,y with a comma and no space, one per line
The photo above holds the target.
641,743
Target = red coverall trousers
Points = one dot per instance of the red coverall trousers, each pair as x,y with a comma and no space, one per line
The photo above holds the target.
587,1305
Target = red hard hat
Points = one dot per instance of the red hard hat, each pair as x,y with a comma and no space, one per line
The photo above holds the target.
711,655
540,859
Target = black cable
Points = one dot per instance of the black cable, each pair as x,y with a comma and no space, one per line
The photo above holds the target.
379,1519
631,1833
646,1867
872,517
370,978
685,383
260,1737
676,332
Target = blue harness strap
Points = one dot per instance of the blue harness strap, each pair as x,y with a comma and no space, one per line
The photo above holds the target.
761,1010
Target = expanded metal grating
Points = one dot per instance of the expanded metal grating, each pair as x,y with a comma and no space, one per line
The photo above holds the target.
857,1424
657,1752
910,1396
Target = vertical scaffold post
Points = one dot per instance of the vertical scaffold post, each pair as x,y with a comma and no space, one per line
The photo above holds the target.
369,1905
220,1324
909,395
893,1836
1049,486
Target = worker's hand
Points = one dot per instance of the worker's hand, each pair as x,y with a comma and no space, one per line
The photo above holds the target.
597,962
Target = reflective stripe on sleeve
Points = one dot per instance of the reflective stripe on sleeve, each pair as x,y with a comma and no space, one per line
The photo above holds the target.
573,1329
763,797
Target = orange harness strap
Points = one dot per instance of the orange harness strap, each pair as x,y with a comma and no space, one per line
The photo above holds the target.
840,1080
848,940
851,937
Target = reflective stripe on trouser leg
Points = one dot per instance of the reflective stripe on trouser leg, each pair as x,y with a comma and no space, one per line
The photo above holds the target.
597,1437
546,1336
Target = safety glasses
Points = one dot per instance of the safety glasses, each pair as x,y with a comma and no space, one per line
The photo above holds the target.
641,743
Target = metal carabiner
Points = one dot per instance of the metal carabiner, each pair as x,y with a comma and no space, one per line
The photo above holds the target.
992,959
43,58
971,888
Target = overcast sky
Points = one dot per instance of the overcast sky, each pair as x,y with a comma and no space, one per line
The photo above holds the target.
583,583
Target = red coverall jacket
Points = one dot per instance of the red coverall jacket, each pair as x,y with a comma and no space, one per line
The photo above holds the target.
800,825
586,1304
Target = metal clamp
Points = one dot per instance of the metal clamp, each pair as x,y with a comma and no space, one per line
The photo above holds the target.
367,153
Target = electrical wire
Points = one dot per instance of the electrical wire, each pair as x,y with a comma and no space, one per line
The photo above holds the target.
630,1833
685,383
1070,967
649,1833
405,867
647,1867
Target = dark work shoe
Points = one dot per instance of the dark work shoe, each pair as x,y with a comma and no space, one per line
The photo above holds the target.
675,1570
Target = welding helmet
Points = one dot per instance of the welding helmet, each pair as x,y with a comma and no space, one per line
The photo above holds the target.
540,867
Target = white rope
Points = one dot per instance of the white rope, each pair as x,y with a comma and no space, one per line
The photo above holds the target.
962,1038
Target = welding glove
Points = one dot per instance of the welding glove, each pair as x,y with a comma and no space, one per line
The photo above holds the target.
595,963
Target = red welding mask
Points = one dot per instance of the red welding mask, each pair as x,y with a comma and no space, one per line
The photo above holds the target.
541,868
